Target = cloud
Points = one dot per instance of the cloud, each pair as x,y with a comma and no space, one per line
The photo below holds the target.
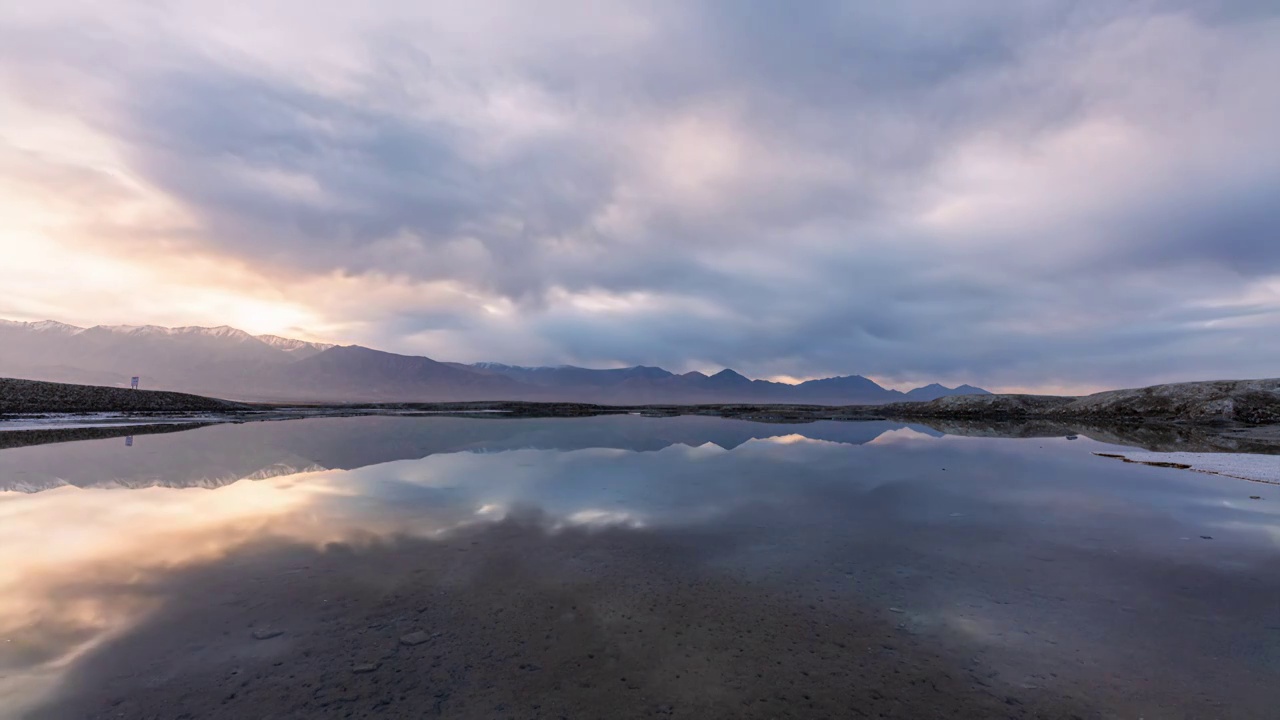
1046,194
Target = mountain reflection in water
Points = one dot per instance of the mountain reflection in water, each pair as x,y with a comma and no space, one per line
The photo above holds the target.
1024,556
223,454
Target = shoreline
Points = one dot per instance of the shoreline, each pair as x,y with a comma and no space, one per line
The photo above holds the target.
1151,434
1241,416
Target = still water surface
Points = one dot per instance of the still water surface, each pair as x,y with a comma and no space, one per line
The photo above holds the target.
627,567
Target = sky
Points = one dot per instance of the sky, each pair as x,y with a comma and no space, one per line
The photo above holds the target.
1047,195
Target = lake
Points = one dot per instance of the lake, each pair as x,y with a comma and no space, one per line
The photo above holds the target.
626,566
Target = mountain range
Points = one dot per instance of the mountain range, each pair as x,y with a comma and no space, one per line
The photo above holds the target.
233,364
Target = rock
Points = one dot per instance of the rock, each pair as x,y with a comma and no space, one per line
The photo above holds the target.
414,638
364,668
1247,401
265,634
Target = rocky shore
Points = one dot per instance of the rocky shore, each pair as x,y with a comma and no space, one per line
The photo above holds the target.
1254,402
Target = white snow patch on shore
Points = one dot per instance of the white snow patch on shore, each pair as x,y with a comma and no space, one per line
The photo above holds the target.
68,421
1259,468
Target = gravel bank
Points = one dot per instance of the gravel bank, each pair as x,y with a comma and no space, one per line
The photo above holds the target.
34,396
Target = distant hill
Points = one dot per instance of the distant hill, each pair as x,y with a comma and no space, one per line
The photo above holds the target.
933,391
358,373
642,384
227,362
570,376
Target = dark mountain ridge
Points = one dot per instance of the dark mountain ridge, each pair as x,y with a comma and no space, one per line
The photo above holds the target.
227,362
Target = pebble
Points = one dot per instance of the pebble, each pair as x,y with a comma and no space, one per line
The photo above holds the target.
364,668
414,638
263,634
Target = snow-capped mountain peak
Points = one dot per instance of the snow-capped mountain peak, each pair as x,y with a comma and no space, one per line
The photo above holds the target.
222,332
44,326
291,345
225,332
500,366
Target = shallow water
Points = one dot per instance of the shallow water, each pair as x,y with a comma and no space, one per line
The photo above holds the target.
627,567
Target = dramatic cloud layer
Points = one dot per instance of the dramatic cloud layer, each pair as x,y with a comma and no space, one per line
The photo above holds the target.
1047,194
